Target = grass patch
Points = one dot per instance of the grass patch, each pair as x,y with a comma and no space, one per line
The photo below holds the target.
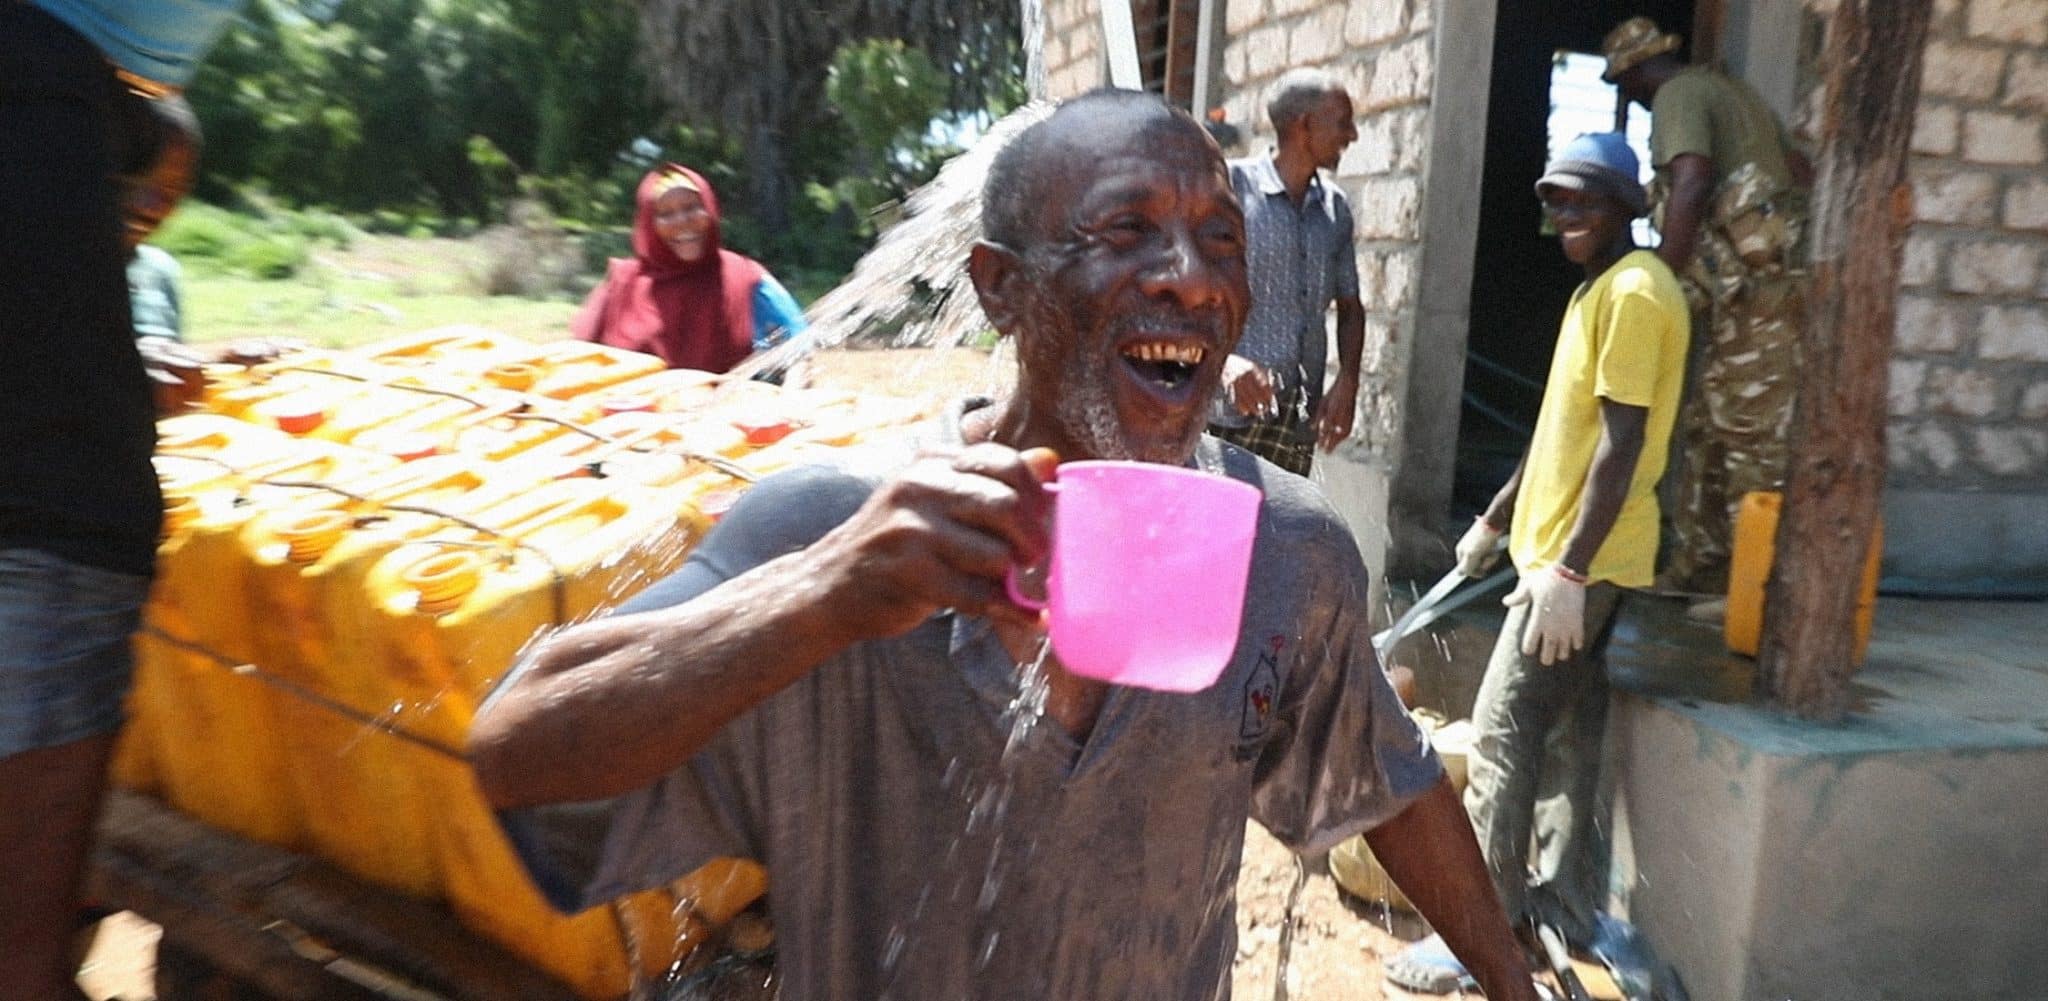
346,312
312,275
316,277
274,244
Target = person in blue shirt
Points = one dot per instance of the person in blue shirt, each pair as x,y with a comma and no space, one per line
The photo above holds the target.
79,505
151,191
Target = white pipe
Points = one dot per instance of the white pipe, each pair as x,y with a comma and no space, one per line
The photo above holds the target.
1120,44
1205,30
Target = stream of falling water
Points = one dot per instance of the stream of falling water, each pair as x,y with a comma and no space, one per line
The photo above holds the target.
988,803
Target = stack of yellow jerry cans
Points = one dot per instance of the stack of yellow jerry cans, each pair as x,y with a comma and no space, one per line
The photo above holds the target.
358,544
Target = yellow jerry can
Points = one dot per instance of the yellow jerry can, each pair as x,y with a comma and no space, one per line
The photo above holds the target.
1749,567
217,744
451,615
306,566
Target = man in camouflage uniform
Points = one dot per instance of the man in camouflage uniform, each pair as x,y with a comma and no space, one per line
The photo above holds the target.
1729,203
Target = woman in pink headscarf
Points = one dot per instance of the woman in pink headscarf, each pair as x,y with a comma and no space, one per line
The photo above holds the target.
682,296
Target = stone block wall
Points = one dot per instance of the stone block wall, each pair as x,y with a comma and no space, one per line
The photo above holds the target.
1969,375
1968,398
1074,62
1386,52
1383,51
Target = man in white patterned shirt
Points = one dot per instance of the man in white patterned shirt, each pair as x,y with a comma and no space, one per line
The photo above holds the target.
1299,257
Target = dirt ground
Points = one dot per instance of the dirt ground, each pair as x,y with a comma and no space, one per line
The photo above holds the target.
1337,944
915,372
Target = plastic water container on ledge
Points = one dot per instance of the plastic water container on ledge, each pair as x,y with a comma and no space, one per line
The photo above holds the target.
322,373
452,349
230,387
194,442
295,403
502,432
188,478
649,449
448,407
198,455
850,421
665,927
1749,568
670,391
372,408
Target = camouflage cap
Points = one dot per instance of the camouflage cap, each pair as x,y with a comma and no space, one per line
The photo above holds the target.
1633,41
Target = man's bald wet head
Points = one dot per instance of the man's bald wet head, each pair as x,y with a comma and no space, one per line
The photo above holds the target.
1015,208
1113,254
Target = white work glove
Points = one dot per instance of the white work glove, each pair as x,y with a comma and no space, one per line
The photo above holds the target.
1478,548
1556,627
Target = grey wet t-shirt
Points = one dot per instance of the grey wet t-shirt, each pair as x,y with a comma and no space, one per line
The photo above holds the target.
911,857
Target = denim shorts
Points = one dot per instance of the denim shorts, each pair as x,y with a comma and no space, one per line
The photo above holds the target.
65,660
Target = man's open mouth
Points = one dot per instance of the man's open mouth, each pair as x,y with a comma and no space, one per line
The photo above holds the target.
1167,365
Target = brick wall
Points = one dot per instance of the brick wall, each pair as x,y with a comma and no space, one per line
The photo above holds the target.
1382,49
1074,62
1385,51
1969,377
1968,437
1969,393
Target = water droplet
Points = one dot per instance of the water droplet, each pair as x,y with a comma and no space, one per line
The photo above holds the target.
988,949
892,947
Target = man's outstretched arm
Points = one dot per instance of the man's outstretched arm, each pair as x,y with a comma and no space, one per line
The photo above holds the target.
1431,852
612,705
1340,405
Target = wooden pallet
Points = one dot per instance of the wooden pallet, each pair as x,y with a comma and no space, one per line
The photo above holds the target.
285,926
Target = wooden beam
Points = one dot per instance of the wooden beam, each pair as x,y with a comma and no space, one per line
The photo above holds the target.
1709,30
290,925
1207,20
1835,479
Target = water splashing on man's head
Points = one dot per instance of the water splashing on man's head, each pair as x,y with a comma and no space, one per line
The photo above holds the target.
1113,252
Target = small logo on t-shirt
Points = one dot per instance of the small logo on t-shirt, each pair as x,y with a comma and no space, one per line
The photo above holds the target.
1261,688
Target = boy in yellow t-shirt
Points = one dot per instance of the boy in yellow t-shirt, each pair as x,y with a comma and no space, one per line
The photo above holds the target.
1580,514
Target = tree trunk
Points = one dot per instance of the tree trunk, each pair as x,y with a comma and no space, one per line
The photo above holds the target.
768,179
1836,476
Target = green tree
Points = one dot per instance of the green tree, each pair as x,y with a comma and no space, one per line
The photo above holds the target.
593,96
384,102
888,96
757,69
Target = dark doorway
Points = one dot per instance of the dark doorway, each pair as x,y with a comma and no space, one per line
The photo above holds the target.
1520,281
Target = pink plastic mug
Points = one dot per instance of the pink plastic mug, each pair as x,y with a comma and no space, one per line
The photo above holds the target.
1147,578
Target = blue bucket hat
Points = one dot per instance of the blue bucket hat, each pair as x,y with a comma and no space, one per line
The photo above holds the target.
1600,163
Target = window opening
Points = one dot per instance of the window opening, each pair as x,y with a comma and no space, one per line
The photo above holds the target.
1167,34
